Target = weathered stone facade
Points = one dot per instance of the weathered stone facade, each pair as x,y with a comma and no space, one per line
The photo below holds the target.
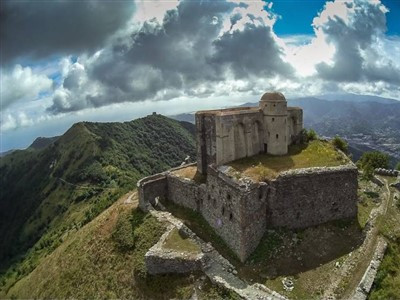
228,134
241,210
307,197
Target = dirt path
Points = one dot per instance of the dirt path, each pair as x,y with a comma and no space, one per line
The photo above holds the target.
372,245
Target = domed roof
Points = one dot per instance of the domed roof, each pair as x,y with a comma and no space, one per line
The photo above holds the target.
273,96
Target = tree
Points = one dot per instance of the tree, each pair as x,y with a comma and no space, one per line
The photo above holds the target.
340,144
312,135
369,161
398,166
308,135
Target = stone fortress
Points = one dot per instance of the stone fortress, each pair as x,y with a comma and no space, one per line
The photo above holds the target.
240,209
228,134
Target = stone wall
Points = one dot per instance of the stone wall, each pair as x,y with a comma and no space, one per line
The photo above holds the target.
151,187
295,124
253,217
206,140
307,197
160,260
184,192
239,134
236,209
241,210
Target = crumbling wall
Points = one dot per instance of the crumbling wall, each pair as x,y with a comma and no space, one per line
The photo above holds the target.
160,260
307,197
184,192
150,188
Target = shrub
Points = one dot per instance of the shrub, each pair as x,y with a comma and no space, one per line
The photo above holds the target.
340,144
308,135
398,166
374,159
369,161
311,135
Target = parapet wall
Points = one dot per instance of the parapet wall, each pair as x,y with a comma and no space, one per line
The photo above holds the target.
150,188
184,192
307,197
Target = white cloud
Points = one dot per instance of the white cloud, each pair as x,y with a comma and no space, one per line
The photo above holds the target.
202,51
22,84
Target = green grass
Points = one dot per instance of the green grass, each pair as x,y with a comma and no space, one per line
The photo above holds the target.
267,247
90,264
314,154
178,242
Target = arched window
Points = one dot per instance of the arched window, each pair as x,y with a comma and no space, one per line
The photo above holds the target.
277,136
273,119
230,217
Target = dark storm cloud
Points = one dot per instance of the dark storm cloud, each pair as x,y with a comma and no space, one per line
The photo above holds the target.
187,54
41,28
355,59
251,51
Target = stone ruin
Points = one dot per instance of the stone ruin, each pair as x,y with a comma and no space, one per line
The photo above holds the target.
241,210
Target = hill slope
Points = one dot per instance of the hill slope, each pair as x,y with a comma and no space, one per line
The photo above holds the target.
46,194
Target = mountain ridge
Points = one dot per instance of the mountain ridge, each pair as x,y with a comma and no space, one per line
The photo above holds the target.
49,192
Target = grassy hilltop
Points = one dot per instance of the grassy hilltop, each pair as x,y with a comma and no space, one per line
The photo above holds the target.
49,194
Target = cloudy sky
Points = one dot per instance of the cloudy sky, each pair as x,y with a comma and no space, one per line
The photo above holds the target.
69,61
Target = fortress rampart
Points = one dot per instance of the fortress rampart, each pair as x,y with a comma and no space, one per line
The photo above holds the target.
241,211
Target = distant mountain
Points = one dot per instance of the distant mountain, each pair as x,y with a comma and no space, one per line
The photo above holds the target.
186,117
49,192
357,98
42,142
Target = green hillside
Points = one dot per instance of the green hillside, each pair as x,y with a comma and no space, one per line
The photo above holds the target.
49,194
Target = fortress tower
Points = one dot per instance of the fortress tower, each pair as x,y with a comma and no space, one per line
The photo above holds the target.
274,110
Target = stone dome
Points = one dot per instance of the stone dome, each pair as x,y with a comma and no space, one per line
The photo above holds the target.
273,96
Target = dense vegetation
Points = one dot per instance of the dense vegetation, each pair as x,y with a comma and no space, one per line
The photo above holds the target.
49,193
369,161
